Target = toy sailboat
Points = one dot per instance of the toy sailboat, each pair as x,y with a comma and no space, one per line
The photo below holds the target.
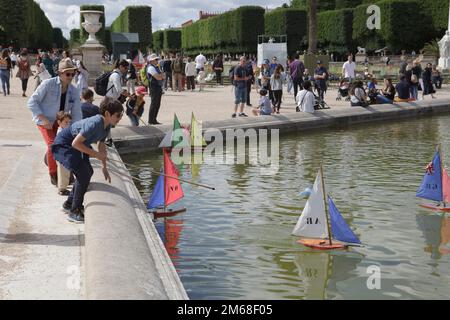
178,137
197,141
167,190
435,185
319,228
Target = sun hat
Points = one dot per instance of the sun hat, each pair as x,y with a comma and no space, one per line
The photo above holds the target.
152,57
65,65
141,90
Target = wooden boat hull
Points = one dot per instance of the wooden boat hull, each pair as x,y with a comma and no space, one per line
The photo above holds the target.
434,207
319,244
160,213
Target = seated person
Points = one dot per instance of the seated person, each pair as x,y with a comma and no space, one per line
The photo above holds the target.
135,105
306,98
372,89
387,94
358,97
402,89
264,107
436,77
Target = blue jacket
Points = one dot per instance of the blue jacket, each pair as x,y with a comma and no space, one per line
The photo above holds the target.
46,100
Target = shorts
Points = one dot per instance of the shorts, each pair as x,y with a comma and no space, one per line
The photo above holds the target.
240,95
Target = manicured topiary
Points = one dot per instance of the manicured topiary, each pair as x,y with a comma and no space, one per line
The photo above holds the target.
334,30
135,19
172,39
158,40
290,22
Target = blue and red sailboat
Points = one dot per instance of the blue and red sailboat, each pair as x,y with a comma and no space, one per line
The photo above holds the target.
435,185
167,190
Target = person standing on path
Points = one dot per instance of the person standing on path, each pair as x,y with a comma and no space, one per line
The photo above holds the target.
24,72
156,79
190,74
428,88
218,68
348,69
240,87
177,72
321,77
54,95
5,71
297,68
200,61
251,79
276,84
83,75
167,68
72,148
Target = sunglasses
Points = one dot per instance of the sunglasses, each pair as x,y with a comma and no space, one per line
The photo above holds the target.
69,74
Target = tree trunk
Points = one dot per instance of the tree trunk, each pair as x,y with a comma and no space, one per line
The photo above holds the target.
312,42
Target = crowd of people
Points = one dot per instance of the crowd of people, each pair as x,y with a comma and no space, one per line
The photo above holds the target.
63,109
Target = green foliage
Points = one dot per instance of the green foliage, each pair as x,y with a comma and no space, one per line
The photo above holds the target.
438,11
235,31
322,5
348,4
58,38
25,24
334,30
74,40
172,39
290,22
404,26
158,41
100,35
135,19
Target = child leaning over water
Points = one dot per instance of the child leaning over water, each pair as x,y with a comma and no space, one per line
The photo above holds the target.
63,119
264,107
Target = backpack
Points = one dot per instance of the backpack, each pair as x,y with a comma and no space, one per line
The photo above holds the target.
231,75
177,66
143,76
101,84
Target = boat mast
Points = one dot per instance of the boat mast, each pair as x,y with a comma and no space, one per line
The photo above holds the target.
325,205
438,148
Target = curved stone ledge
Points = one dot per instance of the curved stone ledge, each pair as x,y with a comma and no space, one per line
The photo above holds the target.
125,257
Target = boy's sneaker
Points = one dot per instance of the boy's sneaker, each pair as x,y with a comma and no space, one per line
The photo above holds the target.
76,216
242,115
233,115
66,206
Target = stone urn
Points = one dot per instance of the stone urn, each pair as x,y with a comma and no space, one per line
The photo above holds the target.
91,24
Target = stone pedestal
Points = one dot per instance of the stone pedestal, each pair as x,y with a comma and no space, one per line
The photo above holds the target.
92,60
360,58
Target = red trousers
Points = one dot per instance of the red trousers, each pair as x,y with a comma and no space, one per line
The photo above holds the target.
49,136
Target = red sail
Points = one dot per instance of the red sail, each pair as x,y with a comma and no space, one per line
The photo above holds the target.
446,186
173,191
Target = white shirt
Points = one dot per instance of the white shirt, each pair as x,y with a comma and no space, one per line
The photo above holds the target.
305,101
200,61
114,81
358,97
82,82
190,69
349,69
13,57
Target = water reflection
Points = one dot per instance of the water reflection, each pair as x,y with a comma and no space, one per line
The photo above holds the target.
235,243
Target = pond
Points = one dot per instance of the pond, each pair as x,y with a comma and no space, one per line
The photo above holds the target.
235,242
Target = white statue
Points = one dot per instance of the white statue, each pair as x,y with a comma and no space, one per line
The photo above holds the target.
361,50
444,46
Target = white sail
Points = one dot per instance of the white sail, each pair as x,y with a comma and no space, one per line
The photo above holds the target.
167,141
312,222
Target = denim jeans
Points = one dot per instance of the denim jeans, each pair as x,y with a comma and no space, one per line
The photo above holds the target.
413,92
83,174
134,119
4,77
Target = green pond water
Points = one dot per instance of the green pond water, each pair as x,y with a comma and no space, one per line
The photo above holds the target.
235,242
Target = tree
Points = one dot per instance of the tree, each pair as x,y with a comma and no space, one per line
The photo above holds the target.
312,39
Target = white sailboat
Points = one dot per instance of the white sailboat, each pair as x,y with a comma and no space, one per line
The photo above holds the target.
319,228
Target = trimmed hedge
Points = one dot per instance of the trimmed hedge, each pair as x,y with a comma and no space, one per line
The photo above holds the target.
347,4
25,24
74,40
438,10
135,19
322,5
158,41
101,35
172,40
290,22
58,38
235,31
335,29
404,26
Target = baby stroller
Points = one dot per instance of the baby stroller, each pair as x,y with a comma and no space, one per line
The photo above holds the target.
343,90
320,104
